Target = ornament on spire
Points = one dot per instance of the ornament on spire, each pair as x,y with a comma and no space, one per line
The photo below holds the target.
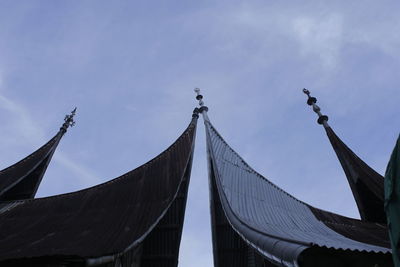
312,101
69,120
199,97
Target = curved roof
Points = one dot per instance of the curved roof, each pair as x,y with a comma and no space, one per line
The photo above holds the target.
21,180
365,183
276,224
107,219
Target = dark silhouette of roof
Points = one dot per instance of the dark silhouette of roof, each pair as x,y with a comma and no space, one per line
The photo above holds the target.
22,180
277,226
114,221
365,183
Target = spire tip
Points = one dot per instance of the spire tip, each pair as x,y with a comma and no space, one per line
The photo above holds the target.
199,97
306,91
69,121
312,101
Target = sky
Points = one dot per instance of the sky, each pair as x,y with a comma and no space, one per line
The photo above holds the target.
130,68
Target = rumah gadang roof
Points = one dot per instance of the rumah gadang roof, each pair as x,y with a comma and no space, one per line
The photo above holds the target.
277,226
365,183
115,221
22,180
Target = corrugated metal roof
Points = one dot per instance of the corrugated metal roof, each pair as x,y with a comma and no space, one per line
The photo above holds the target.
275,223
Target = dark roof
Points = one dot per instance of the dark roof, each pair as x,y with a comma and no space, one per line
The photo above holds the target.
21,180
274,223
104,220
161,247
365,183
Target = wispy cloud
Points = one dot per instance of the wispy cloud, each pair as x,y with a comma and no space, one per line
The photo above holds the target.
23,123
85,175
320,36
141,62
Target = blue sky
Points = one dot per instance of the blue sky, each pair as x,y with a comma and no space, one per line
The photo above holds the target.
131,66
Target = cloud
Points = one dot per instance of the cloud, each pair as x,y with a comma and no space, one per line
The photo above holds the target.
87,177
322,37
22,121
251,60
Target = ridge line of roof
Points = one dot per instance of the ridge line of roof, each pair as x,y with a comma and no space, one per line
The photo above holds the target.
271,183
209,142
172,201
340,139
243,222
190,126
254,171
52,140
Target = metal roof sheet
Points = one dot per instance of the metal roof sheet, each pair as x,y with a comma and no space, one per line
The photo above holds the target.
272,221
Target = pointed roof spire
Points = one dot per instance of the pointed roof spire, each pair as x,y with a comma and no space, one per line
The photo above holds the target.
311,101
152,198
250,213
199,97
22,180
68,121
203,109
365,183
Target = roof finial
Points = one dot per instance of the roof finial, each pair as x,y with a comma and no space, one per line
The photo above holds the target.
311,101
68,121
199,97
201,102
